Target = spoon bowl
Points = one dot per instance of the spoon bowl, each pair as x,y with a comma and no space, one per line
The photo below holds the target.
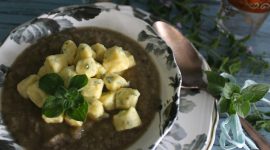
187,57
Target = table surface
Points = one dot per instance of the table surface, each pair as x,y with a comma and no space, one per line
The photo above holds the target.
15,12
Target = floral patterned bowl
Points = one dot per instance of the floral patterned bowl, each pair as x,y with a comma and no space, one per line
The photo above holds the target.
99,16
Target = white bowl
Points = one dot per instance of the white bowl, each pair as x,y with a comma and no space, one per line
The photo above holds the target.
109,18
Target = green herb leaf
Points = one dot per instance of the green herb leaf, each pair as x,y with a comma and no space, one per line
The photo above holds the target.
231,110
224,104
229,89
215,83
73,99
50,82
259,125
253,118
52,107
60,92
235,67
78,81
267,125
78,113
242,108
267,113
255,92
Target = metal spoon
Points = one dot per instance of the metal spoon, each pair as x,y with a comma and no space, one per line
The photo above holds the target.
190,63
188,58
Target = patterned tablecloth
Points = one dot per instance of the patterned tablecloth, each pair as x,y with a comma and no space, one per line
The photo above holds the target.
15,12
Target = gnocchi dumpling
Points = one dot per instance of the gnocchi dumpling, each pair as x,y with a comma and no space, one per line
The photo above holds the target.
114,81
85,51
25,83
93,89
56,62
126,98
100,71
69,49
131,60
126,119
58,119
100,50
95,109
115,60
67,73
87,66
43,70
72,122
36,95
107,99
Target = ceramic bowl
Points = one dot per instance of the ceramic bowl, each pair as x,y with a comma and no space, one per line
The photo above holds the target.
108,18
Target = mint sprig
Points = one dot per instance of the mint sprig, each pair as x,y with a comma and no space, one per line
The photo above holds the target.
61,100
233,99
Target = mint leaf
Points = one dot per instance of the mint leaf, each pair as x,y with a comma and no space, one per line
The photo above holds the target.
224,104
231,110
229,89
242,108
50,82
78,81
78,113
215,83
60,92
235,67
267,113
255,92
253,118
267,125
259,125
52,107
73,99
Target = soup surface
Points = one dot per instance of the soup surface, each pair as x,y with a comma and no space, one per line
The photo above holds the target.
23,118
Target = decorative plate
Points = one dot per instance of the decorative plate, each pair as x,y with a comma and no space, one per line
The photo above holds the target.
101,16
197,119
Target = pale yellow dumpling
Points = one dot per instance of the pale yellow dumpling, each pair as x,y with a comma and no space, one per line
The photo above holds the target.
69,49
73,122
36,95
58,119
25,83
85,51
115,60
126,98
107,99
67,73
87,66
100,71
114,81
95,109
43,70
100,50
126,119
93,89
131,60
56,62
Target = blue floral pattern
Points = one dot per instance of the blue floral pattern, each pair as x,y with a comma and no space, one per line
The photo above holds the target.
3,72
157,46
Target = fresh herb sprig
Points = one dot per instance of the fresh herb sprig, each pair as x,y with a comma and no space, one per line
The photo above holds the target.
61,100
223,52
233,98
259,119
